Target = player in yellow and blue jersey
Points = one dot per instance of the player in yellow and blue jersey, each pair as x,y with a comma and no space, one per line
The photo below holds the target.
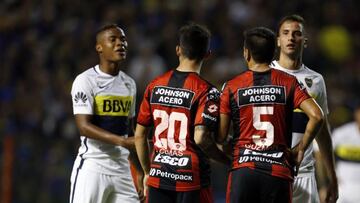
104,106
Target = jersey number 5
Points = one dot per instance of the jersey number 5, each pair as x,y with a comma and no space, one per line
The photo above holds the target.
168,122
263,125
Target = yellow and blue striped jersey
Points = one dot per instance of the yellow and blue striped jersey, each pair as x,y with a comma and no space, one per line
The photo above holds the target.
111,102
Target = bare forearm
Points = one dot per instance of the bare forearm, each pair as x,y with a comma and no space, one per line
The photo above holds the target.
142,149
94,132
316,119
312,128
327,156
325,170
321,174
223,128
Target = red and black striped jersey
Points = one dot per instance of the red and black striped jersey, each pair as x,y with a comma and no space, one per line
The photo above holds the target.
261,106
174,104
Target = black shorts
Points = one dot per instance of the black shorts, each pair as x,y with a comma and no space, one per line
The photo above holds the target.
248,185
157,195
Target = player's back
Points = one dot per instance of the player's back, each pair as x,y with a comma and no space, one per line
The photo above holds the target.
261,106
175,103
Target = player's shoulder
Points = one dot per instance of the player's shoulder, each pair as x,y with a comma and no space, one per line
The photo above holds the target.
86,76
161,79
310,72
127,78
202,81
316,77
209,88
243,75
239,80
283,77
283,74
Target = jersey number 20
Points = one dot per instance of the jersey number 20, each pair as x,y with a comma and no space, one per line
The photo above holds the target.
168,122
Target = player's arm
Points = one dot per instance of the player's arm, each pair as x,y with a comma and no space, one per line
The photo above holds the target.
136,163
223,133
224,118
142,149
205,141
87,129
325,163
223,128
315,114
133,155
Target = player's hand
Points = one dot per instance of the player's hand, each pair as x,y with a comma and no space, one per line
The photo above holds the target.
140,186
329,193
146,176
298,155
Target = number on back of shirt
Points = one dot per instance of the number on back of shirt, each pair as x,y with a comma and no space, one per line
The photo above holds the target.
263,125
168,123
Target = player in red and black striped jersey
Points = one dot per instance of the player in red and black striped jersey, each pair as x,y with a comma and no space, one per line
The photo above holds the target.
184,109
260,103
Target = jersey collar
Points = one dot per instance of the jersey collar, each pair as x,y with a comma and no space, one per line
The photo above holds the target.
275,64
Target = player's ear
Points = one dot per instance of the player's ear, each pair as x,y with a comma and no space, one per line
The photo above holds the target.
98,48
305,42
247,56
178,50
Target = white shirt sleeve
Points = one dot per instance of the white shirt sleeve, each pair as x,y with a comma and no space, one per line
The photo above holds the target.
133,105
322,97
82,96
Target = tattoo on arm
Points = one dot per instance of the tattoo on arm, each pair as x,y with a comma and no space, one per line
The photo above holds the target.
201,127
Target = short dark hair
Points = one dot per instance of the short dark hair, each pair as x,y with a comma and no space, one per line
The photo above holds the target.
194,39
292,18
104,28
260,42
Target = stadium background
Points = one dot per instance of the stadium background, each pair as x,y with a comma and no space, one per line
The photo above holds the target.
44,44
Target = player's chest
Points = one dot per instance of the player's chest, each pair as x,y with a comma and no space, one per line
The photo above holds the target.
113,87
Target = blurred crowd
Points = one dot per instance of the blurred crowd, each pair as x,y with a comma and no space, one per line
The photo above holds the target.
45,43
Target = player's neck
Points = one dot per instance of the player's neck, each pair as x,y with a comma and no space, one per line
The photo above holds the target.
111,68
289,63
187,65
259,67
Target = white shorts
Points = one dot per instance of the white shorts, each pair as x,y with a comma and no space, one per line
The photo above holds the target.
305,189
92,187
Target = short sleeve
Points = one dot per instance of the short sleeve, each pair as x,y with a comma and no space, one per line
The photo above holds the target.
144,116
300,94
225,100
133,105
82,97
321,99
208,109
